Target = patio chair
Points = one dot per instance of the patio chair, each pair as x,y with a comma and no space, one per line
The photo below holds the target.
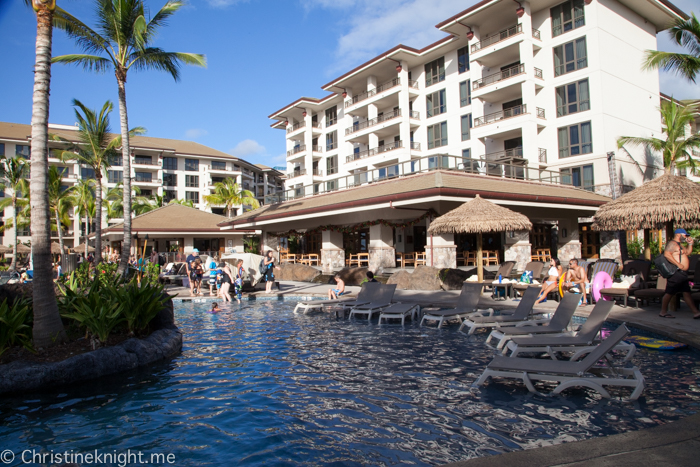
567,374
383,300
557,325
536,267
467,304
578,344
368,292
400,311
521,314
630,268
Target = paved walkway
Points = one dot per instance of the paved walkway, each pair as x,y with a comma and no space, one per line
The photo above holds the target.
676,444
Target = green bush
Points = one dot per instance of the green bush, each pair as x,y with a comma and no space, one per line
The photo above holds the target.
15,325
635,248
93,310
139,305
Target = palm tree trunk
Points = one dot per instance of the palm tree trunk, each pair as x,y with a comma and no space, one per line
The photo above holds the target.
59,224
87,232
126,156
48,328
13,265
98,214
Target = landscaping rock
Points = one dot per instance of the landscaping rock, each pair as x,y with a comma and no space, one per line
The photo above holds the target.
352,276
453,279
422,278
296,272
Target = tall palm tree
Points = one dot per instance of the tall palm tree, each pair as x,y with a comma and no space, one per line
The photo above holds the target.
121,42
230,194
686,33
95,148
84,200
15,174
115,201
60,203
676,148
47,328
183,202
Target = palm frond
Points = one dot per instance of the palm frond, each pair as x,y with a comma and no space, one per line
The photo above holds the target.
88,62
87,40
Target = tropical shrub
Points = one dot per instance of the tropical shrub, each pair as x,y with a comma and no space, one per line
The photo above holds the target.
139,305
93,310
635,248
15,325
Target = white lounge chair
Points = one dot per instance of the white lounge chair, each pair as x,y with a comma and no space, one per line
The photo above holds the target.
557,325
400,311
567,374
385,296
521,314
467,304
367,293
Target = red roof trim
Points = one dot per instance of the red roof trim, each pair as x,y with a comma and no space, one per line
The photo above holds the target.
311,99
464,12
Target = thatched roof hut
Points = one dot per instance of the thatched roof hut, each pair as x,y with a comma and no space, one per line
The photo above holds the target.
666,199
479,216
81,249
23,249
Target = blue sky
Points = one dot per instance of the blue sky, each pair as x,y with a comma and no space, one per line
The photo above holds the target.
262,55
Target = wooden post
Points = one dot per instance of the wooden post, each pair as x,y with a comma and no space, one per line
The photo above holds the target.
647,248
479,258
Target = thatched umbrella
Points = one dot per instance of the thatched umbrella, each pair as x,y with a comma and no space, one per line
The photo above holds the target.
479,216
667,200
23,249
5,249
55,248
81,249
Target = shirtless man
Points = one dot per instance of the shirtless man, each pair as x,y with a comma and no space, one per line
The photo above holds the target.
576,277
678,282
333,294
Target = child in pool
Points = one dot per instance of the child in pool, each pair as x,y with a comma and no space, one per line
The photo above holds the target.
214,308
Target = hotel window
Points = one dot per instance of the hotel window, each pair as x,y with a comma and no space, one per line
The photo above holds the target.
575,140
331,116
435,71
463,59
2,149
147,193
115,176
169,179
581,177
465,93
466,126
332,140
144,177
435,103
332,165
87,173
143,160
192,196
22,150
567,17
437,162
170,163
572,98
389,172
570,57
218,165
116,161
192,181
437,135
192,165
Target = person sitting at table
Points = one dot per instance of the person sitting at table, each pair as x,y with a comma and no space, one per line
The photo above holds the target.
552,282
333,294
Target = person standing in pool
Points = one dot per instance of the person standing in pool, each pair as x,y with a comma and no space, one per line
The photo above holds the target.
269,276
188,265
226,280
212,275
238,283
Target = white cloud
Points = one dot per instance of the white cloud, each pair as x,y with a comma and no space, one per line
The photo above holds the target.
194,133
247,148
224,3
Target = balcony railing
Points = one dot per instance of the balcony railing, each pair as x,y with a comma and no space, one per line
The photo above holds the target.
296,173
225,168
316,125
415,145
296,126
500,76
146,162
316,149
374,151
540,112
296,150
317,172
414,114
536,34
331,122
372,92
331,146
538,73
372,122
413,84
147,180
502,115
542,157
500,36
507,154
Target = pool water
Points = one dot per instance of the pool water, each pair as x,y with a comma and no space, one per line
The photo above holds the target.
257,384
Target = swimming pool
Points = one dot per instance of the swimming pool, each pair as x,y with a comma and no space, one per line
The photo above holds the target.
257,384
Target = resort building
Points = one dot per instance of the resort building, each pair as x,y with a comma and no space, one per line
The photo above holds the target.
173,169
521,102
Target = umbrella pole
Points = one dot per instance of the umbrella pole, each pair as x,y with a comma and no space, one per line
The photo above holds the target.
647,248
479,258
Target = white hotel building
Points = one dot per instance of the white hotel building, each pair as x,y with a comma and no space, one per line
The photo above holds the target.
532,93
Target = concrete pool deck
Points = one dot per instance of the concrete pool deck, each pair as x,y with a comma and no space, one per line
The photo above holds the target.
676,443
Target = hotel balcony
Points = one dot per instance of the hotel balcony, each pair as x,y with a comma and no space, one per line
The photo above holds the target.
146,164
296,173
316,128
296,128
506,122
154,182
224,169
296,152
502,86
382,96
375,125
501,47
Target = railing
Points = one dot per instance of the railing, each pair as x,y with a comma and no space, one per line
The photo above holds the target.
332,146
316,149
73,176
508,153
372,122
372,92
152,180
317,172
415,145
502,115
540,112
374,151
478,167
542,156
225,168
500,36
538,73
414,114
413,84
500,76
536,34
331,122
142,162
296,150
316,125
296,126
296,173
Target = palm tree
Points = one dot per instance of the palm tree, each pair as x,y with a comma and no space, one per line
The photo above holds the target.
183,202
16,173
144,204
60,203
676,148
47,328
95,148
122,42
230,194
686,33
84,200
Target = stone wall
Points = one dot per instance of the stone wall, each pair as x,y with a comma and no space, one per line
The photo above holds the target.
610,246
521,253
381,257
568,251
332,259
444,256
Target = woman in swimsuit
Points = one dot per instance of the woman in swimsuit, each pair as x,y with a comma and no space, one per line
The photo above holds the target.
552,281
226,280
